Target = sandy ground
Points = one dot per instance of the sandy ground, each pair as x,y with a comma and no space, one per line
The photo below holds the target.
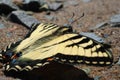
96,11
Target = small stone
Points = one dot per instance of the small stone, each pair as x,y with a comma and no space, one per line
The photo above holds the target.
32,5
115,20
49,17
70,20
22,18
93,36
97,77
6,6
86,1
80,25
55,6
8,34
100,25
105,35
44,7
18,79
2,26
71,3
87,70
59,1
118,62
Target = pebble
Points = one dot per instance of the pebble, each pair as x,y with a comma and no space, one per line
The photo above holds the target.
32,5
8,34
71,3
97,77
100,25
87,70
55,6
86,1
115,20
6,6
2,26
93,36
105,35
49,17
22,18
118,62
59,1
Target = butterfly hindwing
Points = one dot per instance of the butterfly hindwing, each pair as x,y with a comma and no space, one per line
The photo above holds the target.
24,65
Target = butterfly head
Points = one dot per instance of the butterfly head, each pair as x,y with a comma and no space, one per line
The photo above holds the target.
8,54
5,56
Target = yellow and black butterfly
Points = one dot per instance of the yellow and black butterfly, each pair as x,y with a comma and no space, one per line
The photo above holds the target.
47,42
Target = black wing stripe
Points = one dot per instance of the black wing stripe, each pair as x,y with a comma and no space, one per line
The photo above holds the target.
71,38
50,27
60,42
81,42
90,46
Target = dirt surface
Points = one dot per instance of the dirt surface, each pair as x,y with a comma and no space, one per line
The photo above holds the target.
96,11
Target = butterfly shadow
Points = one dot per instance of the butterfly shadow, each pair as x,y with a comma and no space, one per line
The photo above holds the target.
52,71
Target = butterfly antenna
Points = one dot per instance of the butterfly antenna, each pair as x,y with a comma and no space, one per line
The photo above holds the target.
71,22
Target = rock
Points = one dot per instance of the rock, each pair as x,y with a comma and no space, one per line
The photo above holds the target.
49,17
118,62
93,36
87,70
105,35
115,20
2,26
86,0
44,7
8,34
97,77
55,6
40,5
70,20
100,25
71,3
6,6
32,5
59,1
6,78
2,78
22,18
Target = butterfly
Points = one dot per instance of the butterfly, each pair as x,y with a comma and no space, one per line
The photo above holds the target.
49,42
